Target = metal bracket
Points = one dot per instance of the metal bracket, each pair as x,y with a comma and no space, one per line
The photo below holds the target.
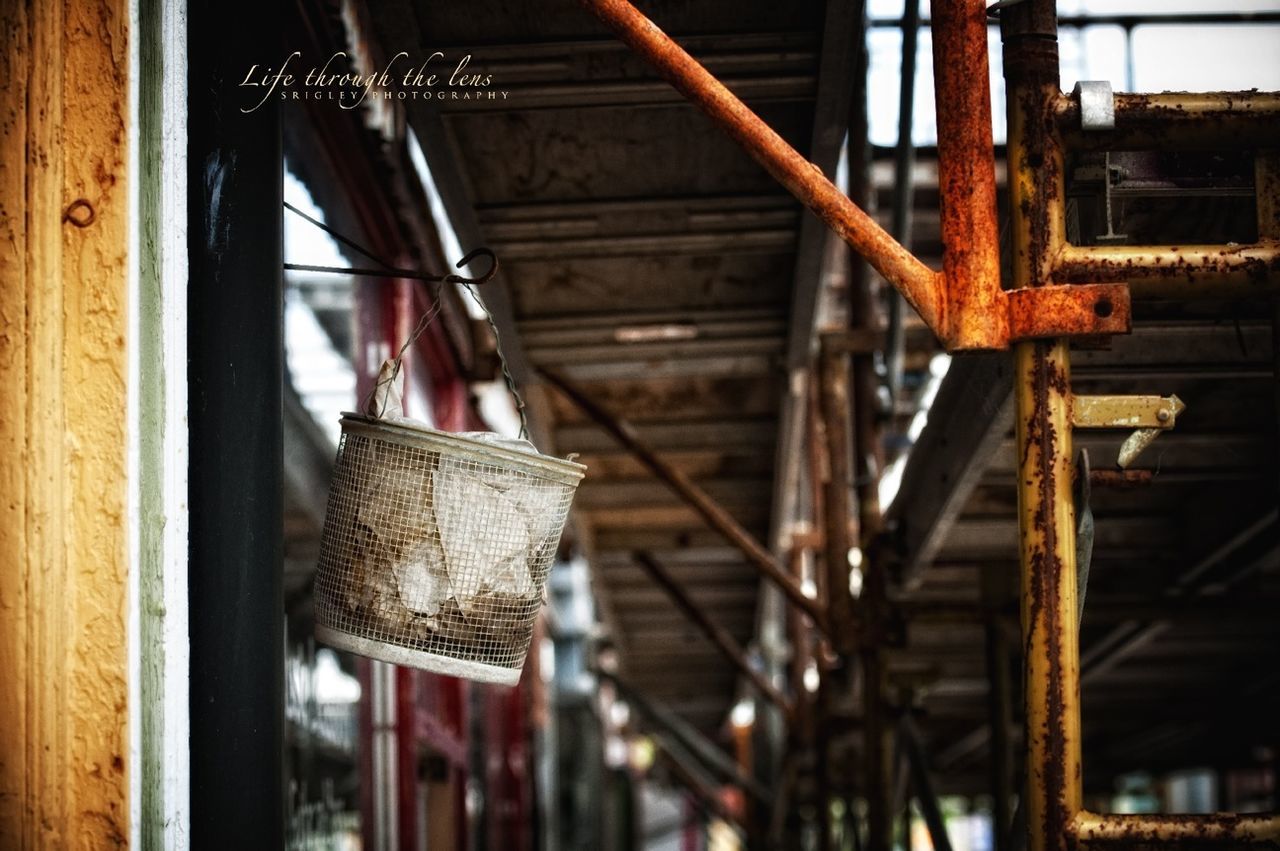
1097,105
1068,310
1140,412
1149,415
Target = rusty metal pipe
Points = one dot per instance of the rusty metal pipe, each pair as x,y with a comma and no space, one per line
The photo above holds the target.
922,783
1052,661
1042,392
1178,120
1093,829
705,751
718,635
1190,271
973,314
711,511
837,505
705,797
919,284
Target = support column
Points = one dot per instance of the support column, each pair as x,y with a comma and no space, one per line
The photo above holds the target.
235,373
1042,392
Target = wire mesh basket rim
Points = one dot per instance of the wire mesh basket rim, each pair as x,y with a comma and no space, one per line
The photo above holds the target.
560,469
421,659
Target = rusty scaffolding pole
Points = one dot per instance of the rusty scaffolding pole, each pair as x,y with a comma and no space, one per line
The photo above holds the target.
1047,411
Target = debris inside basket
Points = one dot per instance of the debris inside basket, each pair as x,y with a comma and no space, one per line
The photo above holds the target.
449,554
443,548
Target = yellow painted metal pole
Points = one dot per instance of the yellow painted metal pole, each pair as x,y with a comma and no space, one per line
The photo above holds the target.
1046,518
1042,390
1217,830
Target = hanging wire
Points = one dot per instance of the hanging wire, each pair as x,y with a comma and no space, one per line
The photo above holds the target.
345,240
506,371
437,302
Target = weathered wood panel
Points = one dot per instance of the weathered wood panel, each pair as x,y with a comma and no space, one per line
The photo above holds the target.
63,539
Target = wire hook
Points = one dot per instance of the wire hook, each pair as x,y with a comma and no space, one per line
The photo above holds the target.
473,254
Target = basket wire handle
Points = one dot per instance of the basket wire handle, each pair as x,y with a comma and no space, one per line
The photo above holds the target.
437,303
507,377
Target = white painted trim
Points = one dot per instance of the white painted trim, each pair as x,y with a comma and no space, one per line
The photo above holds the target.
159,667
177,640
133,434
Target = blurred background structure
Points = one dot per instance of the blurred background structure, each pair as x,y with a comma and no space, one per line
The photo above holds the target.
651,267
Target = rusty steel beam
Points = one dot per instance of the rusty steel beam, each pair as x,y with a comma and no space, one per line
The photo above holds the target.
1094,830
973,314
712,512
919,284
718,635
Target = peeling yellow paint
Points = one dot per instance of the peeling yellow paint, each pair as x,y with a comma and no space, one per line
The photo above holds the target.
63,314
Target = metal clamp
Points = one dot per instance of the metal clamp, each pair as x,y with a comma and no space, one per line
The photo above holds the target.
1148,415
1097,105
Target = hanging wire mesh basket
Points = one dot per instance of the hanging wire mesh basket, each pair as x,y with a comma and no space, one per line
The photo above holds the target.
436,547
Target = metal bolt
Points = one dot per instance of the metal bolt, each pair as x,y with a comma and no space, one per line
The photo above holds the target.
1163,415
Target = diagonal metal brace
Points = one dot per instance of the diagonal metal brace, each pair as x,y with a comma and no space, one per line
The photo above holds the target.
963,304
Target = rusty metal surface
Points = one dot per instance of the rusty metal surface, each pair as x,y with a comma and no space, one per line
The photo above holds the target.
1191,271
1232,830
714,514
1121,479
1042,425
1068,311
1036,182
1050,635
972,315
716,634
918,283
1178,120
837,504
1266,185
